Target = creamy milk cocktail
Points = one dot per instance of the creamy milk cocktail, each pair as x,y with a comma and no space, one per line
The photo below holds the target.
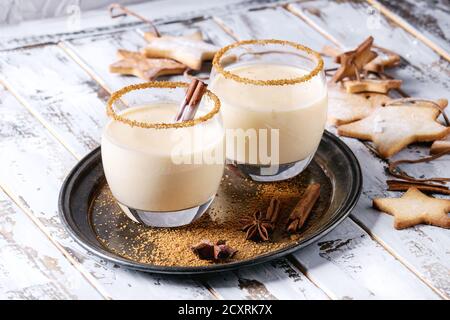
165,176
297,111
154,180
274,105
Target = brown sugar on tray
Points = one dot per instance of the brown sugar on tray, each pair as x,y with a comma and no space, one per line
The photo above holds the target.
172,246
237,198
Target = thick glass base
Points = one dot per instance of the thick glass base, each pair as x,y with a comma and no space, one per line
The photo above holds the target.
166,219
274,173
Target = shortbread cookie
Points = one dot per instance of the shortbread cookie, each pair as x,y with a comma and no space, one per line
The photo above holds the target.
189,50
352,62
345,107
392,128
440,146
383,61
372,85
134,63
413,208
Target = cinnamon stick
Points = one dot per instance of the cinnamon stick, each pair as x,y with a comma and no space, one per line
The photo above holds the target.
192,106
399,185
273,211
303,208
191,100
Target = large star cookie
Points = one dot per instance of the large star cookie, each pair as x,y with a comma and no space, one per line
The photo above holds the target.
345,107
392,128
189,50
134,63
414,208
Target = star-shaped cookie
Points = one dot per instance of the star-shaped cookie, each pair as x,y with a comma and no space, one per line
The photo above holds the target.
189,50
372,85
414,208
134,63
440,146
392,128
353,61
346,107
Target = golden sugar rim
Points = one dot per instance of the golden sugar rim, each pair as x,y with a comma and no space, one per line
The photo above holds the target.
276,82
159,84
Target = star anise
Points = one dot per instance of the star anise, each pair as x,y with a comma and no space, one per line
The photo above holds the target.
258,227
219,251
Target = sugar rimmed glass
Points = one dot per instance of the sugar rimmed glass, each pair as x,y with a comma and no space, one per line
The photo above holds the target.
274,105
162,173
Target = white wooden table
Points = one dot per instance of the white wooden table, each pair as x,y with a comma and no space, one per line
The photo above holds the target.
53,86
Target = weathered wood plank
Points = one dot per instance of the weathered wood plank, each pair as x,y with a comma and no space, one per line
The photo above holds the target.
365,270
255,25
324,268
98,22
95,54
427,20
30,265
415,247
88,51
37,165
423,249
275,280
58,93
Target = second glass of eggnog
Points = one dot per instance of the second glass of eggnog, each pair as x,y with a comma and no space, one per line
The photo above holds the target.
274,105
161,172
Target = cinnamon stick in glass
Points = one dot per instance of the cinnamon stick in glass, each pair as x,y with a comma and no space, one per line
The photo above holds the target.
191,101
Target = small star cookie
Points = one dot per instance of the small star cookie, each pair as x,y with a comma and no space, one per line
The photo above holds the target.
413,208
392,128
372,85
134,63
353,61
345,107
189,50
440,146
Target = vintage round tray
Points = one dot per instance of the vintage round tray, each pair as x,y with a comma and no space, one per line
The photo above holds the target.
96,222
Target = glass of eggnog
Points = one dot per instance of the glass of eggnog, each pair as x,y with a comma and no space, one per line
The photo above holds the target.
162,173
274,106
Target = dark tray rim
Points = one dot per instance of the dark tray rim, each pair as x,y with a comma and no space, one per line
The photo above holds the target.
341,214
